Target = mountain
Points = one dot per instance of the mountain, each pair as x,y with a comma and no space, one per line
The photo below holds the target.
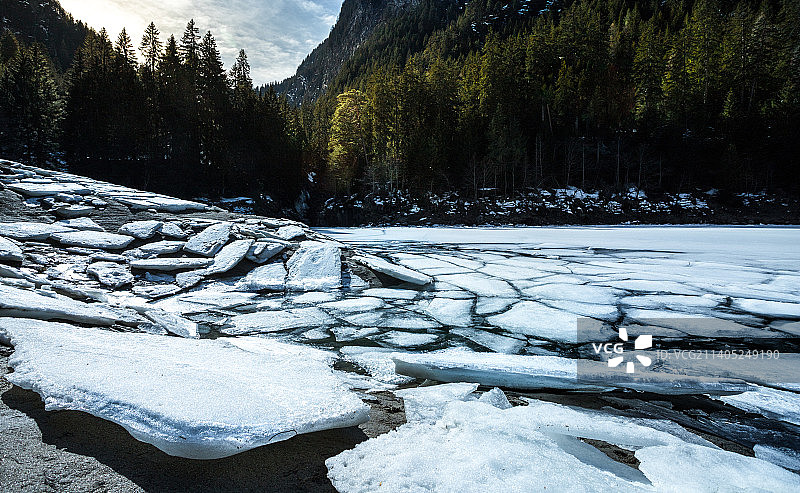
357,20
386,33
45,22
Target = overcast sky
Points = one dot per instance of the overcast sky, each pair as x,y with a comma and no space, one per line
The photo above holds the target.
276,34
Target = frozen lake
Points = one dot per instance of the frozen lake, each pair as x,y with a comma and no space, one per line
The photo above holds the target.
531,284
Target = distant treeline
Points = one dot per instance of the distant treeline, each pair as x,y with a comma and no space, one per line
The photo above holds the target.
664,95
176,122
599,94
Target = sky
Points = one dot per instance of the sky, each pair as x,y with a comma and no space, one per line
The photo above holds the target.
276,34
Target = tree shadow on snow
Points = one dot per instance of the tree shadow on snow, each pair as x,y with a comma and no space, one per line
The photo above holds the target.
293,465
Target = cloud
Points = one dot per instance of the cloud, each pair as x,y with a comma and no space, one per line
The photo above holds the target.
276,34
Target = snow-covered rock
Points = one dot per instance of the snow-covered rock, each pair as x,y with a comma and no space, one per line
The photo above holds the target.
9,251
142,230
110,274
210,240
199,399
270,277
393,270
93,239
171,264
315,266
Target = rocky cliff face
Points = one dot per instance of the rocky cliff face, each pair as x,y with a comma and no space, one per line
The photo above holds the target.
357,20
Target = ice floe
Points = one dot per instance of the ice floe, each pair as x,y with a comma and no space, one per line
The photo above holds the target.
36,305
93,239
111,274
537,447
23,231
210,240
315,266
270,277
171,264
393,270
9,251
141,229
556,372
165,392
277,320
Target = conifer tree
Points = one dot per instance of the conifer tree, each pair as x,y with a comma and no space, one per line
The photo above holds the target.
124,48
151,47
29,98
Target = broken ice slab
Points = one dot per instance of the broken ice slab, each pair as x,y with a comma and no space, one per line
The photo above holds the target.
772,403
34,304
228,257
375,361
315,266
170,264
539,447
270,277
495,342
110,274
427,404
141,229
456,313
81,224
535,319
47,189
156,249
93,239
165,392
24,231
9,251
210,240
393,270
550,372
277,320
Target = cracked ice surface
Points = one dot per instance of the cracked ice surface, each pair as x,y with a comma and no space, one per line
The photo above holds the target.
535,283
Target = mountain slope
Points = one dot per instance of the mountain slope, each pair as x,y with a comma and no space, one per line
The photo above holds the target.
46,22
386,33
357,20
